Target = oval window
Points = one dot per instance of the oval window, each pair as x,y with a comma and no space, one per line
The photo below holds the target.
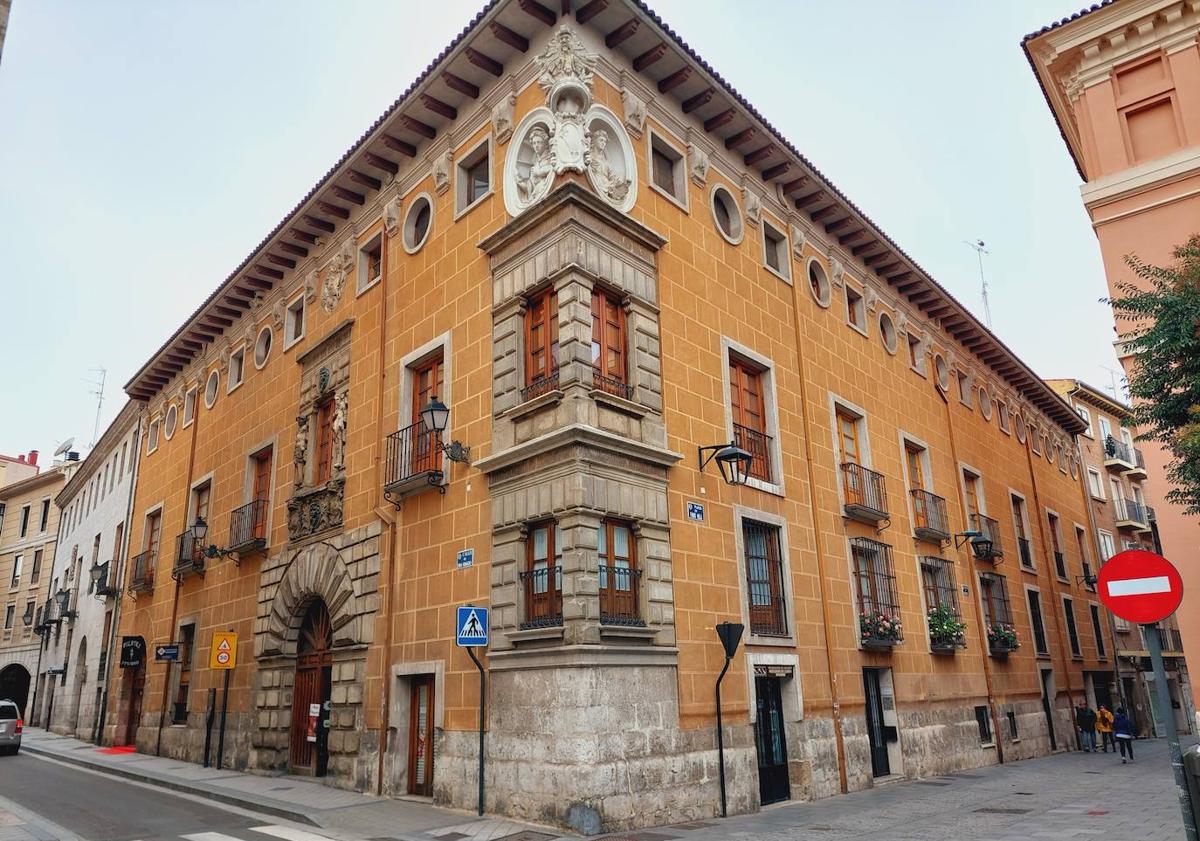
1020,427
210,388
985,403
262,347
943,373
169,423
887,332
818,283
726,214
417,223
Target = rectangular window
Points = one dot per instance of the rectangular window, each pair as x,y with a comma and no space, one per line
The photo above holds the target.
10,613
1035,619
1072,631
971,482
608,342
993,593
1012,726
541,343
24,520
764,579
325,414
666,170
1060,557
427,384
856,310
542,577
1105,428
16,571
1084,557
1095,483
985,725
1107,547
474,177
1086,417
370,263
964,388
1019,528
916,359
847,428
1002,414
152,436
941,601
237,368
187,638
44,522
153,533
294,322
913,457
189,406
875,586
619,575
748,412
35,571
775,250
1097,631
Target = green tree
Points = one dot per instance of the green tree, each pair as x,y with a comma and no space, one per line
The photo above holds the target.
1164,384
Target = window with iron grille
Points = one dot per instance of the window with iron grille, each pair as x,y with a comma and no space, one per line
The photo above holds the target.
985,725
1035,618
1096,629
1072,631
747,405
993,592
875,586
764,579
941,602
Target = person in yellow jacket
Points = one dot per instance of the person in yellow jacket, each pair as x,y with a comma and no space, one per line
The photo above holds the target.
1104,725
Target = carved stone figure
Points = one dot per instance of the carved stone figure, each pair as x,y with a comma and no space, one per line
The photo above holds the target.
225,354
698,164
535,184
564,57
836,270
340,268
441,172
568,140
300,453
635,112
871,298
502,118
277,316
753,205
799,239
607,181
338,427
391,217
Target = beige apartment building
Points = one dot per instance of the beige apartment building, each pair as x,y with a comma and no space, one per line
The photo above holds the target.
16,468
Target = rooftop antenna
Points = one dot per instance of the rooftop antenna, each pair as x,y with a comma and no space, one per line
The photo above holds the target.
99,395
979,252
1112,375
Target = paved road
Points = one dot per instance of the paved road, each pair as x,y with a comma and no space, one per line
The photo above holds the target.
47,800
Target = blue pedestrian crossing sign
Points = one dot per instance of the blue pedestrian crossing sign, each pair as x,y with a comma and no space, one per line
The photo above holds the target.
472,626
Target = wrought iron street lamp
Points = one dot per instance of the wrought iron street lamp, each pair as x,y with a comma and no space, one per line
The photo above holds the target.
200,538
981,547
436,418
733,462
27,616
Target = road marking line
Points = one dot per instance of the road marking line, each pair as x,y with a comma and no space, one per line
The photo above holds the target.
288,833
210,836
1140,586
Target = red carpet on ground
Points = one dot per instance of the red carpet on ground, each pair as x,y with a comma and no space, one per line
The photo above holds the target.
118,749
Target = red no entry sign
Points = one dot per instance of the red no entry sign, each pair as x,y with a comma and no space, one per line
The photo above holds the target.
1140,586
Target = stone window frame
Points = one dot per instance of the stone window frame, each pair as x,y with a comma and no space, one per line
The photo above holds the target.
248,478
741,513
825,298
659,138
463,162
791,690
767,367
981,497
888,335
176,672
191,398
268,331
296,309
1028,529
238,352
216,390
857,304
737,219
1057,534
399,707
864,440
408,227
1098,642
965,382
916,353
408,364
171,421
363,283
921,562
774,237
1076,648
907,439
1040,655
152,432
158,508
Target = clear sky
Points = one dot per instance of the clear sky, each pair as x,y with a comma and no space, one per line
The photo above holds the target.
147,147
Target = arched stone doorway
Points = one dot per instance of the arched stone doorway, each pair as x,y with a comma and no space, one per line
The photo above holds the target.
80,678
14,686
311,692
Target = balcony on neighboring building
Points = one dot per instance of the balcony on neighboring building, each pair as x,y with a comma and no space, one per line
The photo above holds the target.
106,580
1025,550
865,493
1138,471
248,527
1170,641
142,567
412,461
619,596
1131,514
758,445
989,530
543,597
189,557
929,516
1117,455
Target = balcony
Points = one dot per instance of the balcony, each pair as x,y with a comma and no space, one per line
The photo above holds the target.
412,461
988,529
865,494
1138,472
758,446
611,385
1170,641
619,590
929,516
142,566
1131,514
1025,550
189,557
543,603
248,527
1117,456
540,386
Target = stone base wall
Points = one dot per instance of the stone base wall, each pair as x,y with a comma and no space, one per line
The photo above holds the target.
186,741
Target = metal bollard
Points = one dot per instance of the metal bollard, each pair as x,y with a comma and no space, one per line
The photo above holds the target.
1191,771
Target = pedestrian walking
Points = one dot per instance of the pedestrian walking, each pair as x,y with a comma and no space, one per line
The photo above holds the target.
1085,720
1104,725
1123,731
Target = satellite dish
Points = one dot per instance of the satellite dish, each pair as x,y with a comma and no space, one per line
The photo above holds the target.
64,446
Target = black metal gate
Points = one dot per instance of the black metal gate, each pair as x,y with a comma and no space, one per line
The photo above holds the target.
880,766
1047,708
769,737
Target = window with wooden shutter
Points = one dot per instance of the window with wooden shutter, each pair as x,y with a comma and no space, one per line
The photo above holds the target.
427,384
608,343
541,344
748,411
324,441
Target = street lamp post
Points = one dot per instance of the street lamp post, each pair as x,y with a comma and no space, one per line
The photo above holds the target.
730,634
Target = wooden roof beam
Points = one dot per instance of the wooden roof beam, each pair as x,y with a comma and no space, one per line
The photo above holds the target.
417,127
821,213
719,120
458,83
442,109
795,184
759,154
269,272
650,56
398,145
318,223
743,136
333,210
774,172
507,36
676,79
282,261
484,62
538,12
292,248
699,100
622,33
589,10
368,181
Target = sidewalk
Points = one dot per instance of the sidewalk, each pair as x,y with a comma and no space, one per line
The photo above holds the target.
298,799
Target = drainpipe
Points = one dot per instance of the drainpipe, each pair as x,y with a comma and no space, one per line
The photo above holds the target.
809,460
118,576
983,647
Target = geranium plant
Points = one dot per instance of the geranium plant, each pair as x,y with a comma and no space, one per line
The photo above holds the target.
876,625
1003,637
945,626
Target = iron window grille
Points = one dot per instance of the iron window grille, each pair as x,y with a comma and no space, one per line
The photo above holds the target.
865,491
875,581
764,579
946,628
758,445
997,612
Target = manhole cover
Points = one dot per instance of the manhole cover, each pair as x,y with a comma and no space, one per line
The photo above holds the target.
996,810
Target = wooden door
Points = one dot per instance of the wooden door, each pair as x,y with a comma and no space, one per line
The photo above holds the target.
262,491
420,737
427,384
137,686
311,691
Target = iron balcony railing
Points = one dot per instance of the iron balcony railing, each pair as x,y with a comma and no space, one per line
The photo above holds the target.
1025,549
1133,511
866,494
758,445
543,597
189,557
1150,518
248,526
929,514
1169,639
989,529
610,385
1116,451
142,566
540,386
1060,564
1139,462
619,588
1088,580
412,452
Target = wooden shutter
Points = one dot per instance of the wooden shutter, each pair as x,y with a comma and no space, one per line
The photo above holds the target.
324,441
541,337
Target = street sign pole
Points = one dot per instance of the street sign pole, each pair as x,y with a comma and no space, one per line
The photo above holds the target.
224,709
478,665
472,630
1163,704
